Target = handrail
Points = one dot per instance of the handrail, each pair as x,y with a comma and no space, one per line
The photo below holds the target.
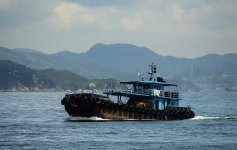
167,94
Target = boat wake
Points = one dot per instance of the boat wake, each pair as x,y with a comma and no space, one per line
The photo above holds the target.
94,118
214,117
204,118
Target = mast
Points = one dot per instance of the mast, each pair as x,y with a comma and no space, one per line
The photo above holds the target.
152,72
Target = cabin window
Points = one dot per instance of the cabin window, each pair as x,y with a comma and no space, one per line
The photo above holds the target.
159,87
145,87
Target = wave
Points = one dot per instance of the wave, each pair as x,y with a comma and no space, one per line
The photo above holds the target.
213,117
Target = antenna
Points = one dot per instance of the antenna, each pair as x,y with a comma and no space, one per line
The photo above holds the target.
153,71
138,75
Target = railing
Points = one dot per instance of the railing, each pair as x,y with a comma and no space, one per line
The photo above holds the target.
168,94
173,94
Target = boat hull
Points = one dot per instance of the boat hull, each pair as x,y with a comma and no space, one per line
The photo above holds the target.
91,105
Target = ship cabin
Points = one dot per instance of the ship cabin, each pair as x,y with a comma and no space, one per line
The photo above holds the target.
154,93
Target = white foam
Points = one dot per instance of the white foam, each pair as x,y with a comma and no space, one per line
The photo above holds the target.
94,118
204,118
231,117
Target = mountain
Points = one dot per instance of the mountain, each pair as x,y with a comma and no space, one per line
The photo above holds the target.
16,77
203,73
28,50
123,61
62,60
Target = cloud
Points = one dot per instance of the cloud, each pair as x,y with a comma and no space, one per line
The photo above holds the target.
4,4
137,21
177,11
21,13
181,28
68,14
131,23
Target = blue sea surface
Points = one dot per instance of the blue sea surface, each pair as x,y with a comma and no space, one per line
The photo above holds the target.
39,121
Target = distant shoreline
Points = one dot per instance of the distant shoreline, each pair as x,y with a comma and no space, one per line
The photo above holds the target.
52,90
45,90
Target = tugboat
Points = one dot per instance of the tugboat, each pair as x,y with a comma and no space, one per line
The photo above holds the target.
147,100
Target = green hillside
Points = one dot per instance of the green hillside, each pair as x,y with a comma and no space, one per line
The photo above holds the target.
16,77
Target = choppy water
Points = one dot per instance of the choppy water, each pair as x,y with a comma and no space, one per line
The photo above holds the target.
38,121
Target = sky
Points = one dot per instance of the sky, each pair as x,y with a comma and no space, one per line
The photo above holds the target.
183,28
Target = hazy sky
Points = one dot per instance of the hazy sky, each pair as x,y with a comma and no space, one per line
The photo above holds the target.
183,28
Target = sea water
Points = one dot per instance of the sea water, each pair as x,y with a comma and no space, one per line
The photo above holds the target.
39,121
